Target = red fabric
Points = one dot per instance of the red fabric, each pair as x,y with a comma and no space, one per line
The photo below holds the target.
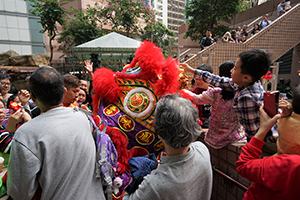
72,105
200,107
105,86
38,194
120,142
149,58
169,83
275,177
4,178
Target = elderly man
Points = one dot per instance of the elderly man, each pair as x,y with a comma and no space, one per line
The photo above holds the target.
185,173
53,156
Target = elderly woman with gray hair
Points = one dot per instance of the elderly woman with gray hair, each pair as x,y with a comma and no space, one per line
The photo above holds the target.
185,173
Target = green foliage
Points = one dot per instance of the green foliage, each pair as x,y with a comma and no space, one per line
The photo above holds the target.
160,35
50,13
286,88
80,28
244,5
205,14
126,16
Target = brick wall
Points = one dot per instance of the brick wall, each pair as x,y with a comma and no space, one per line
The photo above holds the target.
224,160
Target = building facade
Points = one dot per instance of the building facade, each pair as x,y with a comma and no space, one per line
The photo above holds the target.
176,16
170,13
19,31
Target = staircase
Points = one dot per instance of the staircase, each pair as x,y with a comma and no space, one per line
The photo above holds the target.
279,37
190,52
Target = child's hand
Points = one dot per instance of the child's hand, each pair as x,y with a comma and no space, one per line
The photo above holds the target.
24,97
88,65
187,68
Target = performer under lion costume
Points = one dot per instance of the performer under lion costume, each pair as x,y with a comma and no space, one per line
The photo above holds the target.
127,100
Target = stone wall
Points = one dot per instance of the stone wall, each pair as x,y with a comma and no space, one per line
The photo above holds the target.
11,58
18,67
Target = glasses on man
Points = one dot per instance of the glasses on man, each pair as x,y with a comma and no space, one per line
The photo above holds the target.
5,84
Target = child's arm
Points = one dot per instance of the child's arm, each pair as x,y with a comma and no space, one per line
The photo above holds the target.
88,65
207,97
210,78
248,112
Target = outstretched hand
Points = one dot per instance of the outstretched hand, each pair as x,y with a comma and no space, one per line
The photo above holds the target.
24,96
187,68
88,65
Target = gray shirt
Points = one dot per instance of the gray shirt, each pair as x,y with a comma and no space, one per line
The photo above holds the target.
55,151
187,176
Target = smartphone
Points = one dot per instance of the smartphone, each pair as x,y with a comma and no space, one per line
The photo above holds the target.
271,100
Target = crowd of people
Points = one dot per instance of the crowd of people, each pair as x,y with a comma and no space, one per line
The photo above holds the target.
270,158
283,7
240,35
51,137
52,152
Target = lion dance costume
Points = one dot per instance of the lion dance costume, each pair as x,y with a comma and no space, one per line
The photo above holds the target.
127,100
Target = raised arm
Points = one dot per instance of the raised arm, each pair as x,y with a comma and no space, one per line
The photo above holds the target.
210,78
261,171
88,65
207,97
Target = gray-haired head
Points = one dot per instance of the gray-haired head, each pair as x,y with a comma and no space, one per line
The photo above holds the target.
176,121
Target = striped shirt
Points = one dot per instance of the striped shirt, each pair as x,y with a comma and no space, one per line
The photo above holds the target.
5,140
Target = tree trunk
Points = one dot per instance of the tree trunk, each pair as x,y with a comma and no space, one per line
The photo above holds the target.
51,48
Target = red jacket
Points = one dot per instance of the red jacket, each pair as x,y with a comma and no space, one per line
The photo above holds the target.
275,177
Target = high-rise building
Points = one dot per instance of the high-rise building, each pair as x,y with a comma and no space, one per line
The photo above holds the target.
170,13
161,7
19,31
176,16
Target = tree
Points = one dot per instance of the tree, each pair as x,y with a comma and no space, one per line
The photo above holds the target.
81,28
160,35
126,16
50,13
206,14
